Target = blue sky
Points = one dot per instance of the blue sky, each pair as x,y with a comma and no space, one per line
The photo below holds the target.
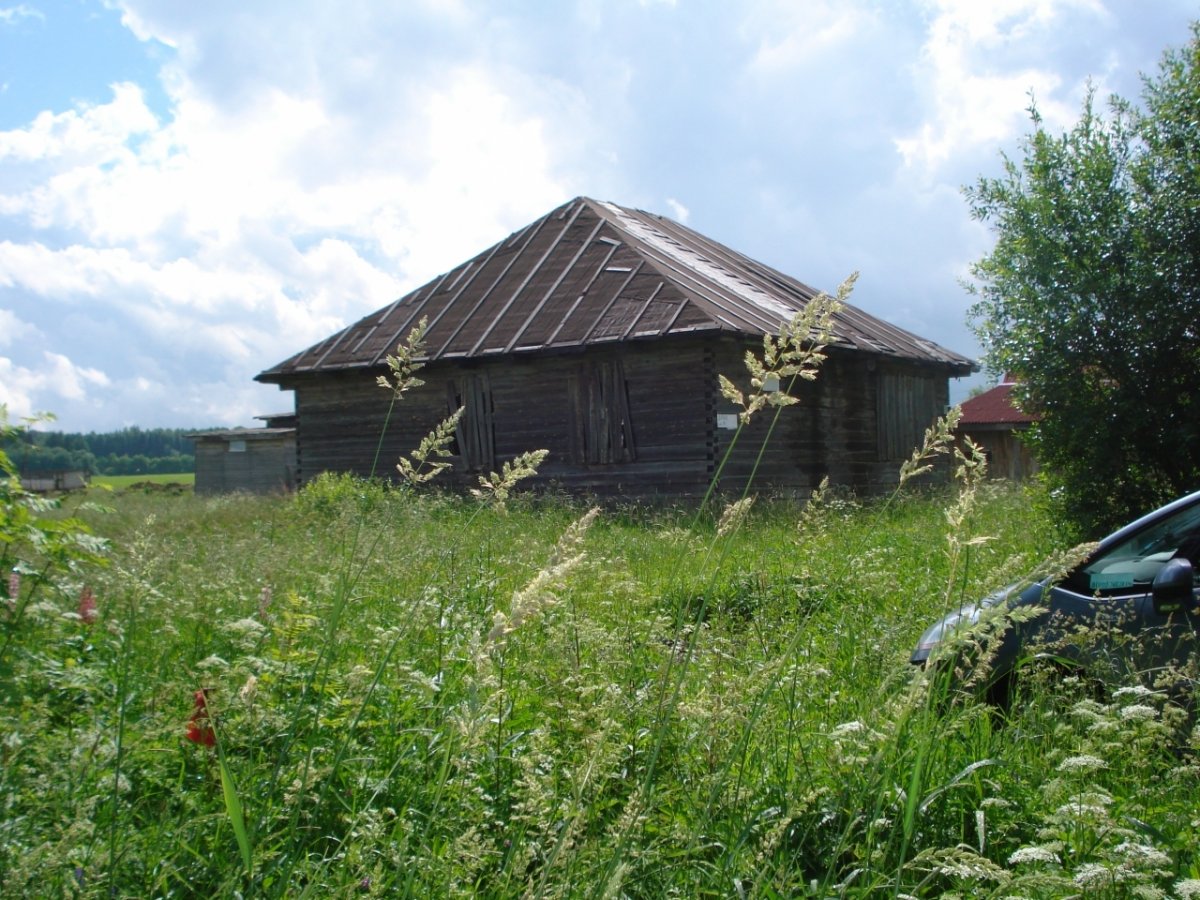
190,193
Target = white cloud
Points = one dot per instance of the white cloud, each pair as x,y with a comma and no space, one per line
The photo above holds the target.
791,35
13,330
298,166
470,160
678,210
975,100
236,230
95,134
57,377
10,15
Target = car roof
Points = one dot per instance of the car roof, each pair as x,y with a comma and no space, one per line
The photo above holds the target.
1137,525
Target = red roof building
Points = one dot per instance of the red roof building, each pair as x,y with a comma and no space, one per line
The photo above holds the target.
994,422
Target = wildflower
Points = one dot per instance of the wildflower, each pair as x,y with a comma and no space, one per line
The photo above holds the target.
1188,889
1095,876
246,633
1089,807
14,589
797,352
1135,690
200,730
406,362
87,607
939,439
540,593
1034,854
500,628
1083,763
1139,712
1143,855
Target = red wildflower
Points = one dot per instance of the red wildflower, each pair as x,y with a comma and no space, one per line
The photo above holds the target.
87,606
200,729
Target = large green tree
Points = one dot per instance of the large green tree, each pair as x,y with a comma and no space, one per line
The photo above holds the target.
1091,294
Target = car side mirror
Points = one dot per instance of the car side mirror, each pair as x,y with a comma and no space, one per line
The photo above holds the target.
1173,586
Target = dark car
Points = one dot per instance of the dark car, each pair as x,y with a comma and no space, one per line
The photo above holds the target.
1130,603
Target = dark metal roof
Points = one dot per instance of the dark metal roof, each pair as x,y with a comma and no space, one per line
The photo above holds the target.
590,273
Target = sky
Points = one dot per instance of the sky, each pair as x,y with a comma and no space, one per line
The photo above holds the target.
191,193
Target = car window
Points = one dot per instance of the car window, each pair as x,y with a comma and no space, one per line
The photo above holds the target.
1133,563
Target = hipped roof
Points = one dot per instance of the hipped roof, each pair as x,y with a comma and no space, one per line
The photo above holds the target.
593,273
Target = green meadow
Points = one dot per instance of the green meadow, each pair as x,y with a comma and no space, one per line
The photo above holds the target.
369,691
372,690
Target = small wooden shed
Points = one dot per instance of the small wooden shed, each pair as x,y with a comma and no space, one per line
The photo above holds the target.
995,422
254,460
49,481
598,333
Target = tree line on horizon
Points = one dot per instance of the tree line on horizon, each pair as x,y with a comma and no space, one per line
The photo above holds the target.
128,451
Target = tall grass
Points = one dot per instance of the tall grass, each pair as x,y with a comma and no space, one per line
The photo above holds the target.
407,754
374,691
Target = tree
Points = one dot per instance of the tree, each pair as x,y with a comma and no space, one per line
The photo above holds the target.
1091,295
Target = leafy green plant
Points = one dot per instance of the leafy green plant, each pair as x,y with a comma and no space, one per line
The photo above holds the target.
39,550
1089,295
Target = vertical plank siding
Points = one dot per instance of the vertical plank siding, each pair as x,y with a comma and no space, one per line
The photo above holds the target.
475,433
266,465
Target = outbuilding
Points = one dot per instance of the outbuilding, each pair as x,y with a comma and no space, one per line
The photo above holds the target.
253,460
598,333
53,481
995,421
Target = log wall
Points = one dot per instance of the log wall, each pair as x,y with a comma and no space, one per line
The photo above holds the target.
671,403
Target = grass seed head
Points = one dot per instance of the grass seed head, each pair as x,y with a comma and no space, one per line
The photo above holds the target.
406,361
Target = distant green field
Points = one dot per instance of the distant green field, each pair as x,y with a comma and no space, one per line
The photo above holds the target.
120,482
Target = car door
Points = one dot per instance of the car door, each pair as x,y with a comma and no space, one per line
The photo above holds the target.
1103,614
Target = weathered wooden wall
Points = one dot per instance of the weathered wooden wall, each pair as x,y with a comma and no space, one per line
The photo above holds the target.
846,427
267,465
48,482
670,445
1007,456
535,404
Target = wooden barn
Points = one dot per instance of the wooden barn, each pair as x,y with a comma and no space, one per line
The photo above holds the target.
598,332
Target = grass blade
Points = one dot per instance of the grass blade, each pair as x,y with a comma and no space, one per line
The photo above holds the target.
233,806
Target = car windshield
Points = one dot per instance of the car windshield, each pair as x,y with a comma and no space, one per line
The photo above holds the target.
1135,562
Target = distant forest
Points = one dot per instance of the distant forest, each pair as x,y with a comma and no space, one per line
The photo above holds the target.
130,451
